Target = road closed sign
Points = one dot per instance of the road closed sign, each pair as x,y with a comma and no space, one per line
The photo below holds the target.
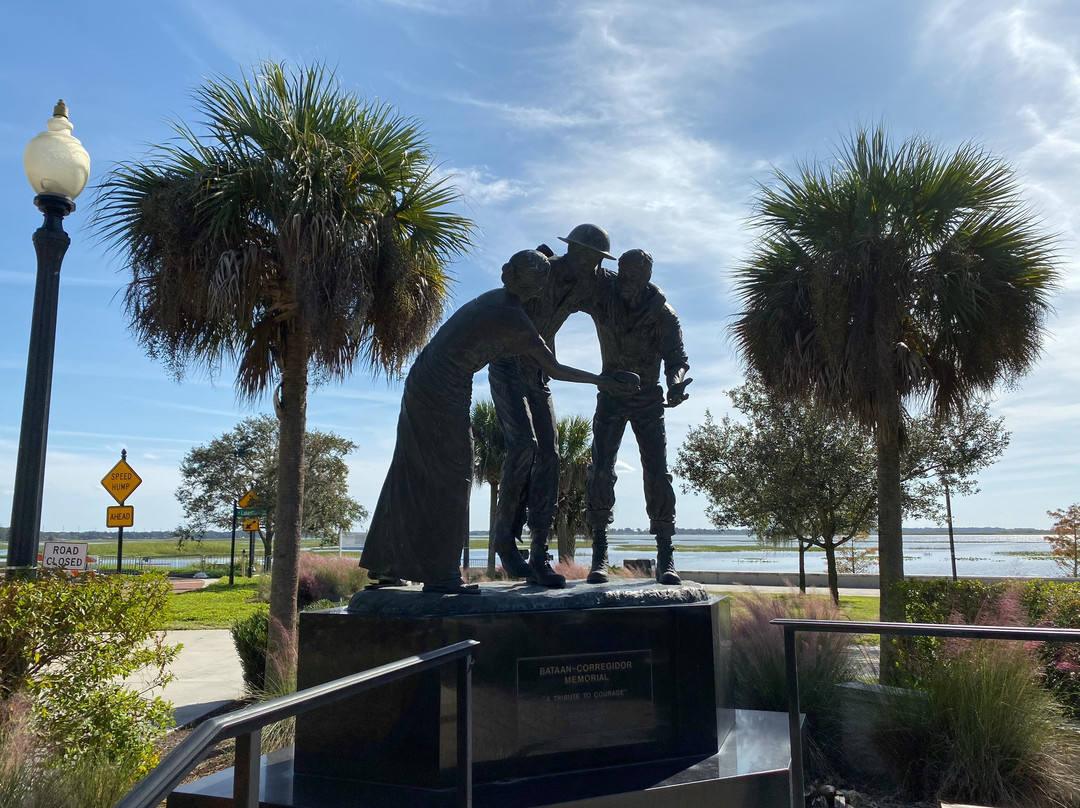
65,555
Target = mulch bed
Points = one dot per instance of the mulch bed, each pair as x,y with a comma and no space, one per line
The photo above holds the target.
221,757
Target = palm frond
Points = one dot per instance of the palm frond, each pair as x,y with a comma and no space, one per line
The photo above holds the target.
291,205
895,270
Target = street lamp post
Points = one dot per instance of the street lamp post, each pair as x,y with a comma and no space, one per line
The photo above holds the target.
58,167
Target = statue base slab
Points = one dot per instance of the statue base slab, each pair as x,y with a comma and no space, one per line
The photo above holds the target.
569,679
751,768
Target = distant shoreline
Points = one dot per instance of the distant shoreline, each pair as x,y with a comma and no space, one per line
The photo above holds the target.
159,535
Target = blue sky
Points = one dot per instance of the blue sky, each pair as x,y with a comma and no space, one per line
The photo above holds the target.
654,120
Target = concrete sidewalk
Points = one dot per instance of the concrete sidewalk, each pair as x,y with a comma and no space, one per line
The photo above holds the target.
207,672
845,592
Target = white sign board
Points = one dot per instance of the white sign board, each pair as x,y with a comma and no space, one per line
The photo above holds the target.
70,555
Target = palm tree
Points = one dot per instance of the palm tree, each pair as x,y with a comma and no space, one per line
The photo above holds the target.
575,455
304,231
893,276
489,452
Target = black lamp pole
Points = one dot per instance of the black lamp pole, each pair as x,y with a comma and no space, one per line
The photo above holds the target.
50,243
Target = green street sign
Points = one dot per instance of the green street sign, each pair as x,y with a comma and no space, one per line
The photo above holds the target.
248,513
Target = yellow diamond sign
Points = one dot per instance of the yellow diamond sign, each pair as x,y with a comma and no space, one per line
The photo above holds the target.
248,500
121,481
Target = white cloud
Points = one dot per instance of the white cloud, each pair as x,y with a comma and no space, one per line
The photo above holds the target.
478,185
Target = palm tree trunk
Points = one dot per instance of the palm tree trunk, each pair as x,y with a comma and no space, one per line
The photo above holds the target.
492,511
567,545
283,582
890,531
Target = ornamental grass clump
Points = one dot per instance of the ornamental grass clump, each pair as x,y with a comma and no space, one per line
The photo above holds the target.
825,660
328,578
987,732
263,681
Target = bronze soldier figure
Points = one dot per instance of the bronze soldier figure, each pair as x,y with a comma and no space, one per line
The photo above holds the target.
530,475
637,330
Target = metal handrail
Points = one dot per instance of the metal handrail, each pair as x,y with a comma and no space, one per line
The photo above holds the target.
792,625
246,726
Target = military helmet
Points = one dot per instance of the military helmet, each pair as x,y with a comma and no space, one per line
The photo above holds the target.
591,236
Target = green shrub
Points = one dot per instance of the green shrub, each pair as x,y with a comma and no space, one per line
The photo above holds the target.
92,781
250,638
66,644
986,733
825,660
1056,604
939,600
1036,603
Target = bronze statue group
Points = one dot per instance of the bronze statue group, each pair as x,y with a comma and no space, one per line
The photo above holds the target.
421,520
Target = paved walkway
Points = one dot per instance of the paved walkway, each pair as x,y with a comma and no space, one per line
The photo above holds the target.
845,592
207,672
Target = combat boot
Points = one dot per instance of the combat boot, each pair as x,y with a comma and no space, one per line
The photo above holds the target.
665,562
513,562
598,573
540,571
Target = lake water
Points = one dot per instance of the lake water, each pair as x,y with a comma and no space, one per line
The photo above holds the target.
976,554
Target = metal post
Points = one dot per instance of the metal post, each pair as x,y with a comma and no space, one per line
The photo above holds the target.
50,244
246,771
120,529
251,554
791,667
232,552
464,732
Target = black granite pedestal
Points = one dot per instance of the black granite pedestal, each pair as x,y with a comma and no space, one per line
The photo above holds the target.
580,696
564,680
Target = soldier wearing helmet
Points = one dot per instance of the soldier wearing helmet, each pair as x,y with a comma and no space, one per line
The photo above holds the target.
528,486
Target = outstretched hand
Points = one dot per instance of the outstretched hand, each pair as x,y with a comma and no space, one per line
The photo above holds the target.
676,393
620,381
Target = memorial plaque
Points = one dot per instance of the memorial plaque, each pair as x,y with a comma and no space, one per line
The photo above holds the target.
609,696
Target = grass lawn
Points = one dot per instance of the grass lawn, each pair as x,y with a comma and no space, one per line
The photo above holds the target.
215,606
857,609
166,548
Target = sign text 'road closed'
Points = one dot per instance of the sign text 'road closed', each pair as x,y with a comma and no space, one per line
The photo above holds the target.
68,555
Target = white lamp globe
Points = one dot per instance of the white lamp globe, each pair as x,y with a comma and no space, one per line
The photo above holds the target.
56,162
